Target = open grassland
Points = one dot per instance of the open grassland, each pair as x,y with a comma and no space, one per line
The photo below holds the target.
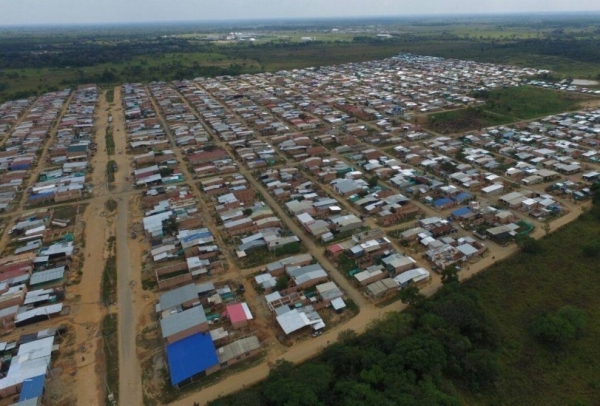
515,292
504,106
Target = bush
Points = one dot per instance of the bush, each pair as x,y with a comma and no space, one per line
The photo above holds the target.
559,329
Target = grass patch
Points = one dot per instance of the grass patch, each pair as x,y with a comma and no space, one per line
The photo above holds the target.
109,281
110,142
504,106
110,170
110,95
111,355
111,205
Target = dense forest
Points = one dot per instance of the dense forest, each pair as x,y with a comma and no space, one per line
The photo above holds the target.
523,332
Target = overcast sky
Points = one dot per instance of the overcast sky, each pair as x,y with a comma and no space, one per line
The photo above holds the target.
18,12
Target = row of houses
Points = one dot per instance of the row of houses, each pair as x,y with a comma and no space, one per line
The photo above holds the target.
144,130
70,151
33,277
10,112
204,329
26,366
22,146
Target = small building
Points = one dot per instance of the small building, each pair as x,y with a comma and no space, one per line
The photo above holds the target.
239,314
412,277
381,288
190,358
180,325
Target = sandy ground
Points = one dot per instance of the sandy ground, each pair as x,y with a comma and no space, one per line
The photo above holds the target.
90,312
129,291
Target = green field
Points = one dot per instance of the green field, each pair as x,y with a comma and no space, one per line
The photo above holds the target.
505,106
515,292
569,46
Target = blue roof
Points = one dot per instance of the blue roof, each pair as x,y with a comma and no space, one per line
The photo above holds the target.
462,196
194,236
442,201
190,356
461,212
32,388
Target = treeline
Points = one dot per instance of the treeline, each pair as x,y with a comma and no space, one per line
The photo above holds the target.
79,53
419,357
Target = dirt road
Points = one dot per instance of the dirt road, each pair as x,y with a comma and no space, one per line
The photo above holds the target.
130,380
89,315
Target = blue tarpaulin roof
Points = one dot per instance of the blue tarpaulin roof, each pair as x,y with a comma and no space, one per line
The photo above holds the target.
32,388
190,356
461,212
463,196
442,201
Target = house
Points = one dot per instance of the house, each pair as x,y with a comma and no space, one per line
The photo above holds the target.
297,319
191,357
238,350
397,263
371,275
413,277
239,314
184,296
177,325
382,288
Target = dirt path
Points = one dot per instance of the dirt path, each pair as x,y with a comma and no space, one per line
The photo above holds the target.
128,282
90,312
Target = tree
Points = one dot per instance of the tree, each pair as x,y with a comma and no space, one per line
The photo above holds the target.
553,330
558,329
411,296
480,369
546,226
373,181
166,171
247,212
282,282
450,274
169,226
528,244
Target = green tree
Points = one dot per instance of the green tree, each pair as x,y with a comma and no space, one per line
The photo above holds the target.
282,282
480,369
411,296
528,244
553,330
373,181
169,226
450,274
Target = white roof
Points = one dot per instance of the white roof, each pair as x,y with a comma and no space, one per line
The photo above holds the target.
292,321
414,274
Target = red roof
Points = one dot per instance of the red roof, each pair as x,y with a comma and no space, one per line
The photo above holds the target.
335,248
236,313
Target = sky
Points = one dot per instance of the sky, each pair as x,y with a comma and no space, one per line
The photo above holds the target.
41,12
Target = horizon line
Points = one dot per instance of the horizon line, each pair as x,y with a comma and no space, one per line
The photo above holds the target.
303,19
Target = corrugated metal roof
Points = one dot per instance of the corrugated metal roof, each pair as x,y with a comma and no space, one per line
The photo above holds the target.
182,321
178,296
47,276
